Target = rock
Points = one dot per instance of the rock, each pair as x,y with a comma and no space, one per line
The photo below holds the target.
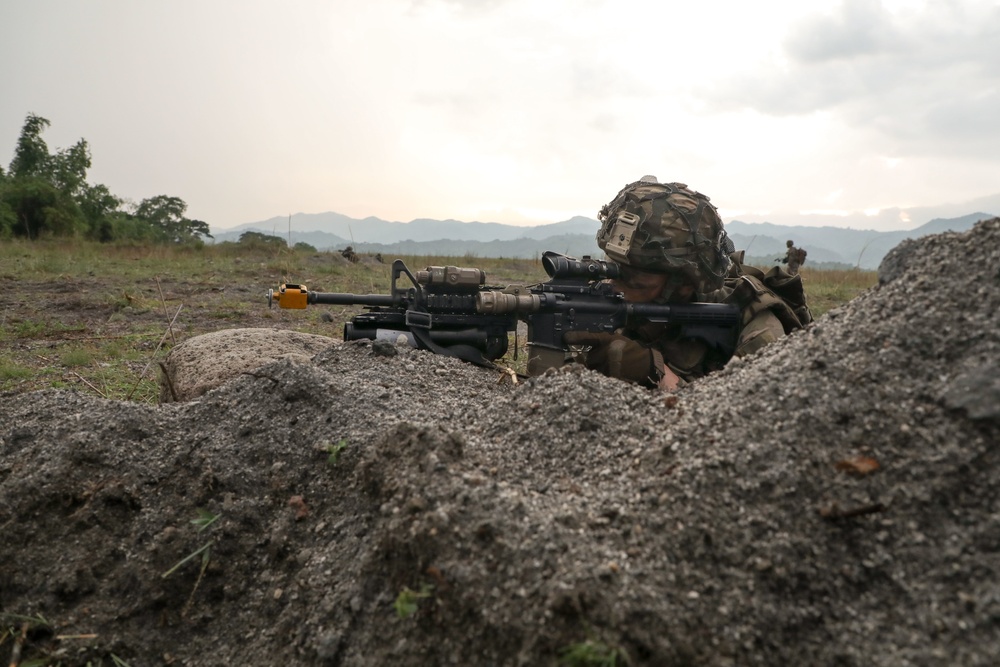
205,362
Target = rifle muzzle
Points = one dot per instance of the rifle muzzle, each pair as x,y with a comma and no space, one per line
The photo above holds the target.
289,296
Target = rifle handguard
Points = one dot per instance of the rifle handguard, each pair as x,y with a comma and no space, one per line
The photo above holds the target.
495,302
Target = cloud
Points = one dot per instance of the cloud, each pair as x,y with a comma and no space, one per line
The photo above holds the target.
908,83
452,108
860,28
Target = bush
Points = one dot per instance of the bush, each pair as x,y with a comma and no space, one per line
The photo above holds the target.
258,241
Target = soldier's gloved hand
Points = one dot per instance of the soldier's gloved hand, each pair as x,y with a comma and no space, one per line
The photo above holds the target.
619,357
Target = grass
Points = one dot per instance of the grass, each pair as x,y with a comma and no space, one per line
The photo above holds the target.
408,601
27,329
15,627
334,451
204,551
89,317
11,370
592,653
826,290
76,356
204,519
201,522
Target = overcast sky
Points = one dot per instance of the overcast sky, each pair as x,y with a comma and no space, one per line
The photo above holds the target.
516,111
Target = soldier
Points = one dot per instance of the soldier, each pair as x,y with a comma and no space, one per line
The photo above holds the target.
349,254
672,248
794,258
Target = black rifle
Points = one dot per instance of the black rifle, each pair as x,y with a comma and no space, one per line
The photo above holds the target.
436,312
449,310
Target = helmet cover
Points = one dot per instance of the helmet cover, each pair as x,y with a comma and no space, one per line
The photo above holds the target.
666,228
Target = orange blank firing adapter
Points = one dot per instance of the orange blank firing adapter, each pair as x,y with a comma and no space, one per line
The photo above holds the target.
289,296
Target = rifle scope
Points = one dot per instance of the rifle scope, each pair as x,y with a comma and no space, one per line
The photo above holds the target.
587,268
460,279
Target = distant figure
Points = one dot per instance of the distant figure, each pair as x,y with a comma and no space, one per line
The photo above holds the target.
349,254
378,258
794,258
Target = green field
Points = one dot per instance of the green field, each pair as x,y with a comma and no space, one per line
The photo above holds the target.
96,317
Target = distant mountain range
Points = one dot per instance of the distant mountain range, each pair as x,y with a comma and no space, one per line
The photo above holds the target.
763,241
836,245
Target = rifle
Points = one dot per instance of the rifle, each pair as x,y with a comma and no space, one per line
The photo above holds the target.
436,312
449,310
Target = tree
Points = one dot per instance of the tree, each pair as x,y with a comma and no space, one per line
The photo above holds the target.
7,216
31,157
259,240
48,195
40,190
126,227
98,206
39,209
68,168
166,215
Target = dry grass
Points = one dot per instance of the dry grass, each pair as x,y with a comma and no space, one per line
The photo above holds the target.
90,316
826,290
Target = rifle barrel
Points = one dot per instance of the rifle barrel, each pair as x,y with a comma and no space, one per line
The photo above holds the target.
334,298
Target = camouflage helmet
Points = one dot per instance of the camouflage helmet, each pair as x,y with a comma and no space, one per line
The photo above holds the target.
666,228
789,243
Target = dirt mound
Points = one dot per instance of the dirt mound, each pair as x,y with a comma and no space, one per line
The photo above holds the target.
828,501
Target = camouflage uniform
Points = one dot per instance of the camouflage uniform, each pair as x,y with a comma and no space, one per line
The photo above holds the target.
792,258
672,231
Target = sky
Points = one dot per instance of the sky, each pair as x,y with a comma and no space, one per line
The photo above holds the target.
515,111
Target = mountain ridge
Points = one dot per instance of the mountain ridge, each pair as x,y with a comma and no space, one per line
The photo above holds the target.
764,242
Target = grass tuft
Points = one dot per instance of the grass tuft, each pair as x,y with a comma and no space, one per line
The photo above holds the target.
592,653
408,601
335,450
10,370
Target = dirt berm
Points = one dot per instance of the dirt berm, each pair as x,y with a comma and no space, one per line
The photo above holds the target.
831,501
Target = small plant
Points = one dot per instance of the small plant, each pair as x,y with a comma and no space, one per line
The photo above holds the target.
112,351
9,630
77,357
408,600
13,371
592,653
36,620
204,551
335,450
202,521
28,329
205,519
